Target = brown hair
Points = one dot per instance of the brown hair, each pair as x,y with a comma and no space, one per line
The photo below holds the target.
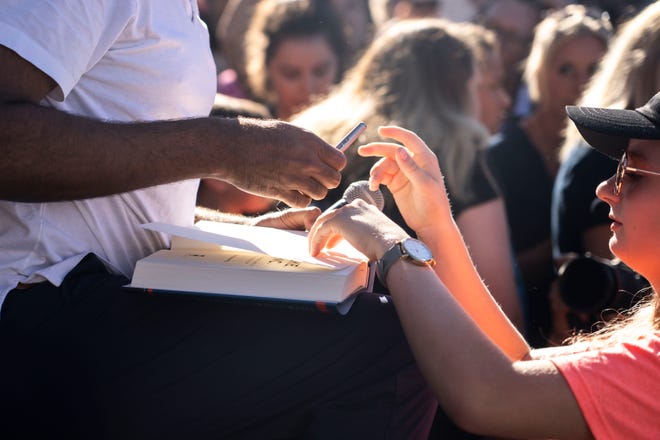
277,20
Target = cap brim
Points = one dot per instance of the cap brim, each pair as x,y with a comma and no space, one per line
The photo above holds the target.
609,130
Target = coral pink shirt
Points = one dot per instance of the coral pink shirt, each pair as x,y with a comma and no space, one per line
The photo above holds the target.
618,388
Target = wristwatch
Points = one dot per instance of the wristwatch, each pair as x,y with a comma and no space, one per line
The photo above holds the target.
409,249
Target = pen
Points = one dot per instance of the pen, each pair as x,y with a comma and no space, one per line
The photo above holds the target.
351,137
342,146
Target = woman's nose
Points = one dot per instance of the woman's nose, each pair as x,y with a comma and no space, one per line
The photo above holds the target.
605,190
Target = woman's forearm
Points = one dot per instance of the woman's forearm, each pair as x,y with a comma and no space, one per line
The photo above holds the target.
455,269
458,360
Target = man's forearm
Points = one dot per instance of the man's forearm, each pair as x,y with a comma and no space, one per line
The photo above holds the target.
49,155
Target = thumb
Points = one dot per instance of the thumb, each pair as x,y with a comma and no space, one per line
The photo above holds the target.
301,219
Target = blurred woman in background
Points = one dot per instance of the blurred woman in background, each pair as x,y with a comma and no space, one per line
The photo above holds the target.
295,52
494,101
566,49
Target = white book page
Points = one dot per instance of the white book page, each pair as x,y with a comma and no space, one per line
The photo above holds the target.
279,243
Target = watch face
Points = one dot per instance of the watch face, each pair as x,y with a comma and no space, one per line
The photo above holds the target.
417,250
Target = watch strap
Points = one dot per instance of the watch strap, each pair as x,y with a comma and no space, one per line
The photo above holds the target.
409,249
383,265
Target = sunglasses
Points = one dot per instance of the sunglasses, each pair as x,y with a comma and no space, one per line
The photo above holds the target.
621,171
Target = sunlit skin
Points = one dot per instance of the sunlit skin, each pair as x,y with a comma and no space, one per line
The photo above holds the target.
494,101
634,212
301,69
568,70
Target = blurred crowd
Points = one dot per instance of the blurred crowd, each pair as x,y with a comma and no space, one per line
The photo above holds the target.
485,84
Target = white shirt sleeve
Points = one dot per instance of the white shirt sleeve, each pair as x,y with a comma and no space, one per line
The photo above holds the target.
63,38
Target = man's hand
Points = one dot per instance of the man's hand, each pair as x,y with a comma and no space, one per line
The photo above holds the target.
300,219
281,161
296,219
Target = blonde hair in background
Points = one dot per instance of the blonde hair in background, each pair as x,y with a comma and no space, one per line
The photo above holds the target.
415,75
561,24
381,11
629,73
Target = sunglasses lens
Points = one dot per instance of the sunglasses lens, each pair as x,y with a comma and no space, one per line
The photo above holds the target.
620,172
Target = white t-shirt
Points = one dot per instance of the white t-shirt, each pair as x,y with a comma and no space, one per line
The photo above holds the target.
117,60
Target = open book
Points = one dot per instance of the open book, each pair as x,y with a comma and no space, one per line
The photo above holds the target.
238,262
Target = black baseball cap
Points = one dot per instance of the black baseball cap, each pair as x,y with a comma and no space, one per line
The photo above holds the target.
609,130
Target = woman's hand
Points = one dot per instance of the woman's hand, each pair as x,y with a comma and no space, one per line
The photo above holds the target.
412,174
361,224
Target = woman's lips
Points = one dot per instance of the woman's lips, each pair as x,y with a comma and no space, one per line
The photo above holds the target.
616,224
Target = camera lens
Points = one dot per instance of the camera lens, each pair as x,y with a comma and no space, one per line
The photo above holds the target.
587,285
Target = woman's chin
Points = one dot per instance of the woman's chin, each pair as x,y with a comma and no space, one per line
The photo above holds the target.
615,246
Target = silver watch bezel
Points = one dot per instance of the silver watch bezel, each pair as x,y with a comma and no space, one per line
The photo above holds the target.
417,251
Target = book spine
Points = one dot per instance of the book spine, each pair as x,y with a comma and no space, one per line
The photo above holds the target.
311,306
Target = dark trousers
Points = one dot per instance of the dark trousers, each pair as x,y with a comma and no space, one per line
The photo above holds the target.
91,360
